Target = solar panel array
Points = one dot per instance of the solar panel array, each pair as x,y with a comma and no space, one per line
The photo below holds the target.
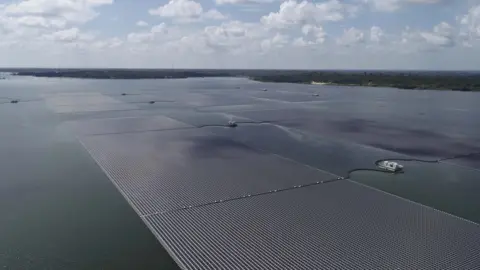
340,225
217,203
262,195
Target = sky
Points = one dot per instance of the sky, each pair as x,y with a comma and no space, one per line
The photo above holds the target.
291,34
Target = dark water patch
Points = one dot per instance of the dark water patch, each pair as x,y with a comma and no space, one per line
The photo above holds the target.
398,138
413,151
334,156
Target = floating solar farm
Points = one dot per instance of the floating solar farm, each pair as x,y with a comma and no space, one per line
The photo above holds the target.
228,173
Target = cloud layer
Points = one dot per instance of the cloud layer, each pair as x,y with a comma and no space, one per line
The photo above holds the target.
266,34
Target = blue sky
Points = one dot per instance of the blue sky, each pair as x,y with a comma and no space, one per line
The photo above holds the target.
324,34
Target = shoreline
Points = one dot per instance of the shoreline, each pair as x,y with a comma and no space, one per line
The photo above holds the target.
466,82
438,83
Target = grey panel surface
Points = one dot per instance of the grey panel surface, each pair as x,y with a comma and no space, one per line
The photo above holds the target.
340,225
126,124
375,129
280,114
71,99
325,153
417,142
259,106
160,171
92,107
84,102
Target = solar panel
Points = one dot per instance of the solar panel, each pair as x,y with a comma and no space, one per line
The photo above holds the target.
215,203
340,225
162,171
123,125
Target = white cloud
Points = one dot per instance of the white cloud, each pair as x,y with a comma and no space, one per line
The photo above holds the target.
186,11
194,43
142,23
31,23
471,24
140,37
114,42
68,36
384,5
301,42
179,8
393,5
54,13
376,34
53,8
296,33
214,15
425,1
316,32
234,29
37,21
292,12
145,37
236,2
231,38
442,36
110,43
436,39
444,29
234,37
277,41
159,28
350,37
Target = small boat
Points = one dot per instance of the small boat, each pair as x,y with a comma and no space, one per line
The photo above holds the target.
231,124
264,89
390,166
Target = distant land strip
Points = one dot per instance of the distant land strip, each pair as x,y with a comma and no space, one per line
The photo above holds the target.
405,80
121,74
425,80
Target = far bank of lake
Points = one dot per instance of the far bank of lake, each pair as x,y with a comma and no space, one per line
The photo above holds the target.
424,80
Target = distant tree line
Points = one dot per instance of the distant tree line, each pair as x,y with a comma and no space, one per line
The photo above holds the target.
441,80
120,74
405,80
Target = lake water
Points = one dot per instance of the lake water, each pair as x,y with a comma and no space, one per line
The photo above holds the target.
59,210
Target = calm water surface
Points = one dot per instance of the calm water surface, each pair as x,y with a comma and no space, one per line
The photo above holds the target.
58,209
